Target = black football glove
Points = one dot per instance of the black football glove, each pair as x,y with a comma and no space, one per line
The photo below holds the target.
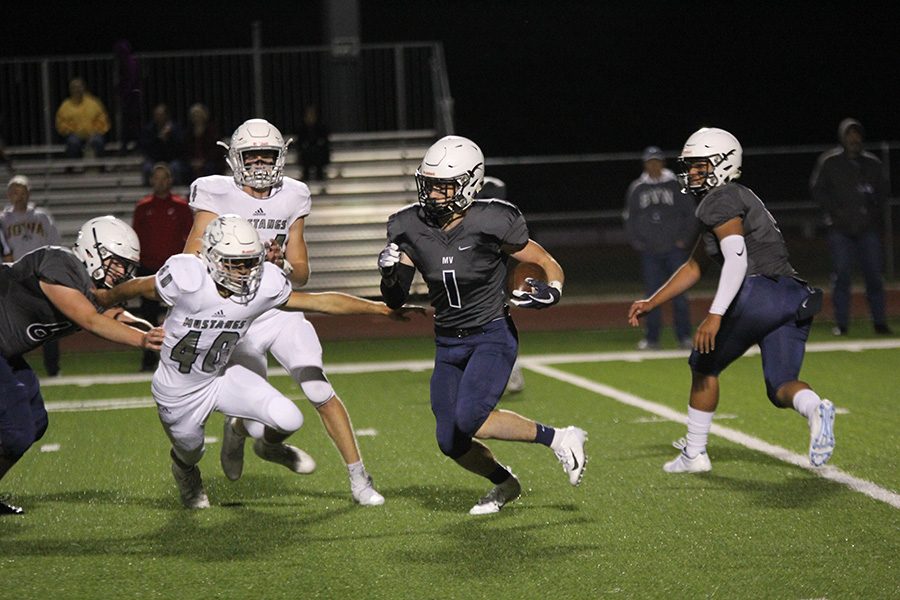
542,295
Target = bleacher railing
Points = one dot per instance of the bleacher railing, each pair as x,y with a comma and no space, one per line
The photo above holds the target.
397,87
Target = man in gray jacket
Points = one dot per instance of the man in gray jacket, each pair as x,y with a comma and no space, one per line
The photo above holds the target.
661,225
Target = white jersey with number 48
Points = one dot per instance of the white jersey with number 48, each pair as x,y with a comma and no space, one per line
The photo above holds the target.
202,328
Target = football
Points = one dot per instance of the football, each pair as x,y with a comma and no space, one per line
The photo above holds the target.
518,272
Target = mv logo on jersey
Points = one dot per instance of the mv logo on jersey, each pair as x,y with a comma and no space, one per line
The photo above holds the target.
447,260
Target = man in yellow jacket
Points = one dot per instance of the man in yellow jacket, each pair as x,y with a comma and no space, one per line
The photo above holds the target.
82,119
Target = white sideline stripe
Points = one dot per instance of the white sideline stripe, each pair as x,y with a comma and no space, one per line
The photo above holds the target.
108,404
426,365
783,454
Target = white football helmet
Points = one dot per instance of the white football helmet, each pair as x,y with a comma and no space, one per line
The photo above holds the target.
103,240
451,162
717,147
252,136
234,256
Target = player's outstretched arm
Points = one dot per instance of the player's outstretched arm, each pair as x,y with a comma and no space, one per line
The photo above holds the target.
684,278
79,309
133,288
338,303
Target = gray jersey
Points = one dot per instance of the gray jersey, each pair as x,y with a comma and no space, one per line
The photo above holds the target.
27,317
464,267
766,251
27,231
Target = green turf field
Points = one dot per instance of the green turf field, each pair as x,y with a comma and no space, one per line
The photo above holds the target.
104,519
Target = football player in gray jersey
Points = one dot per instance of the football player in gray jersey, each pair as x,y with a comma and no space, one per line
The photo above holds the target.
461,246
759,301
46,295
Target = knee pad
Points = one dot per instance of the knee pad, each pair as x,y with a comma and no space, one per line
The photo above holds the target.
284,415
454,446
314,383
15,442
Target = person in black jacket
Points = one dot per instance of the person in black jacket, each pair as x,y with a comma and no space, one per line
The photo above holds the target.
850,186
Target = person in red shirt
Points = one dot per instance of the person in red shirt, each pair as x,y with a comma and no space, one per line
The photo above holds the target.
162,221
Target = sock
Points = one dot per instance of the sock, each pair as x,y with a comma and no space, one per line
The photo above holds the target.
698,425
805,402
357,472
499,475
544,434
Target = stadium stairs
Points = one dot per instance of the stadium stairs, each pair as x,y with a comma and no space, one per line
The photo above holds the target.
370,177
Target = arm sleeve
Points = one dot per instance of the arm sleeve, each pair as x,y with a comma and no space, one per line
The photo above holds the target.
396,290
733,271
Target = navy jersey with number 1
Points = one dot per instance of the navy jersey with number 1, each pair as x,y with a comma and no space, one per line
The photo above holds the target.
464,267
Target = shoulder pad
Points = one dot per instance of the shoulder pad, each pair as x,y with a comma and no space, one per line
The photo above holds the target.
274,283
205,189
186,270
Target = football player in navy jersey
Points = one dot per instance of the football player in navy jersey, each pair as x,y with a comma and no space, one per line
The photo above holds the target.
461,245
759,301
47,294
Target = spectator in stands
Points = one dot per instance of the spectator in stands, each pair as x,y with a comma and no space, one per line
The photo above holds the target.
26,228
162,140
82,121
162,221
204,154
130,95
315,149
60,284
850,186
661,226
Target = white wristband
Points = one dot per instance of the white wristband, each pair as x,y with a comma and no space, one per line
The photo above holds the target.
556,284
733,271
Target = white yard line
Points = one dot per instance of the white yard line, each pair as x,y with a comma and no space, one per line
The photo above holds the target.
538,363
527,360
783,454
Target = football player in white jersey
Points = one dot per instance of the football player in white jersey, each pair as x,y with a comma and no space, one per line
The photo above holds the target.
214,300
277,206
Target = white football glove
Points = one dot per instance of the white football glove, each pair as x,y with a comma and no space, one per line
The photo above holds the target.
388,259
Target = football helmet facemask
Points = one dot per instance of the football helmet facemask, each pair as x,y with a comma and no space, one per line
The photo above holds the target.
448,179
234,256
257,137
722,153
109,249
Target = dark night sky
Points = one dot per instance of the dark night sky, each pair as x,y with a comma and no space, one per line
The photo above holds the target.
540,77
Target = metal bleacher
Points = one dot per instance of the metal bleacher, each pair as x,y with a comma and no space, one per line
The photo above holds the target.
370,177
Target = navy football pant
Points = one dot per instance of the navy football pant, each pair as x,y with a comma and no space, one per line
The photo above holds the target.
765,313
469,377
23,418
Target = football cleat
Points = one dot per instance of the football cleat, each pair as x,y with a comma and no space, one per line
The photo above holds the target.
500,495
821,434
9,509
516,381
568,445
286,455
685,464
190,486
365,493
232,453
